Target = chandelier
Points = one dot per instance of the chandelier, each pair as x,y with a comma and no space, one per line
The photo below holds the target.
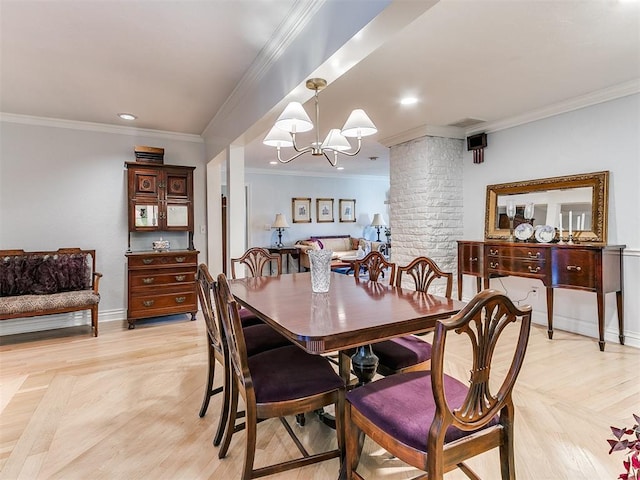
295,120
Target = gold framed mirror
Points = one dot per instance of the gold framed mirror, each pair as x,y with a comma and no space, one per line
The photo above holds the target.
582,197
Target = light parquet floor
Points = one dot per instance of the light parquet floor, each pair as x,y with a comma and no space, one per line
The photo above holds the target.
125,406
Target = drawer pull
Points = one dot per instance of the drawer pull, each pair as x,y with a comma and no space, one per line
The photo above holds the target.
534,270
148,303
574,268
494,265
148,280
147,261
473,259
180,259
180,299
531,255
493,252
180,278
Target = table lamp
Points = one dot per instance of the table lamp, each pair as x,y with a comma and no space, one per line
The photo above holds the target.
280,224
378,222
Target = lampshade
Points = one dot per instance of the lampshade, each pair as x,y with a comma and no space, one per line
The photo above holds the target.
378,221
278,138
336,141
358,125
280,221
294,119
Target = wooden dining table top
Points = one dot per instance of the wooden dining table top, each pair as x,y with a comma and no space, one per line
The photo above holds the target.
350,314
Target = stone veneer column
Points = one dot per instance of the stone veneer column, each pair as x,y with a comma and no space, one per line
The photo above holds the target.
425,200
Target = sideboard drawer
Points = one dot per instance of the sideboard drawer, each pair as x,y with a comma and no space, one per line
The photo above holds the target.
153,260
153,304
517,251
575,268
516,266
160,277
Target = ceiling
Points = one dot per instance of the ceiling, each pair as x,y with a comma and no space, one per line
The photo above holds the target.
175,63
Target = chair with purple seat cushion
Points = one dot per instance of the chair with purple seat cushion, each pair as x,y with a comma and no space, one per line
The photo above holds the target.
276,383
433,421
259,338
409,353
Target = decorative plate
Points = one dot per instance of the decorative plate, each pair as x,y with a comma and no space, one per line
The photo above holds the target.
523,231
545,233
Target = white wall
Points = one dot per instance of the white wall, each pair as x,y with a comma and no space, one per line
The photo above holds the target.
601,137
270,194
66,187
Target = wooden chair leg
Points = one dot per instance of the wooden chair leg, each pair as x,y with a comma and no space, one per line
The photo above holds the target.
226,404
231,420
210,378
94,320
353,444
250,447
507,452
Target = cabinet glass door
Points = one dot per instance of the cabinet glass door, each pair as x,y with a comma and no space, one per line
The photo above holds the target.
177,216
146,215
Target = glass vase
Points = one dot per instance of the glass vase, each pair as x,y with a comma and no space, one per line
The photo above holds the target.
320,263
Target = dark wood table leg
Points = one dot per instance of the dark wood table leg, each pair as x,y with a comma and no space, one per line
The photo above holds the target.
620,305
600,300
550,312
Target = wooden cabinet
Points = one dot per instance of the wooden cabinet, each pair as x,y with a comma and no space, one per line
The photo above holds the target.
161,283
160,198
591,268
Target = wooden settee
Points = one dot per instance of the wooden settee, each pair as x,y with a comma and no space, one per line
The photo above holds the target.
44,283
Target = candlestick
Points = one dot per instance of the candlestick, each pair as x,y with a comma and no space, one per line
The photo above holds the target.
570,223
582,222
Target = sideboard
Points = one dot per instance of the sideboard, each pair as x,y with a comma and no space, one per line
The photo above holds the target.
592,268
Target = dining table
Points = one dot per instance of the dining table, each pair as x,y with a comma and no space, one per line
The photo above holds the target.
351,315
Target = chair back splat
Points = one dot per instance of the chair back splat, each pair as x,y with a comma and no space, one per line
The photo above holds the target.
452,421
376,266
256,260
424,271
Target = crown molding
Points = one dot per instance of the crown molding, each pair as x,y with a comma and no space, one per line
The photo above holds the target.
612,93
97,127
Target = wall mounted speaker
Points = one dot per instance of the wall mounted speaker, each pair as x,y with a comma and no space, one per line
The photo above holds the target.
477,143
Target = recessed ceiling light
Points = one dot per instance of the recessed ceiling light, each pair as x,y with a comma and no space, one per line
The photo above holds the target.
127,116
273,162
408,100
339,168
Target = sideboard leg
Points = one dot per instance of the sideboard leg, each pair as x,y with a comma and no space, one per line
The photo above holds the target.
478,285
600,299
550,312
620,305
459,286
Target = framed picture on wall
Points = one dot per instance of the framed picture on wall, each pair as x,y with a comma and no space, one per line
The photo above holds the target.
324,210
301,210
347,209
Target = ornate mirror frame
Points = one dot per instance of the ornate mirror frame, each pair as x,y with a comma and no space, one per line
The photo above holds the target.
597,181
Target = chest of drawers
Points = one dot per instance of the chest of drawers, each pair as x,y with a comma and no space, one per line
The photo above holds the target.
591,268
161,283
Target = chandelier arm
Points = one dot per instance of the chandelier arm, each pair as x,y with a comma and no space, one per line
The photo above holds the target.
301,152
335,161
295,145
354,153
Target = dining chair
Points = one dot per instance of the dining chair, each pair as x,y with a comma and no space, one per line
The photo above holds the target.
376,266
256,259
259,338
435,422
410,353
275,383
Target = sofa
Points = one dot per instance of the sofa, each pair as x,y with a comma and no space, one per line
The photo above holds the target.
340,245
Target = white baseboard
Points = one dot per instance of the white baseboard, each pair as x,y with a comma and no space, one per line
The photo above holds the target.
60,320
